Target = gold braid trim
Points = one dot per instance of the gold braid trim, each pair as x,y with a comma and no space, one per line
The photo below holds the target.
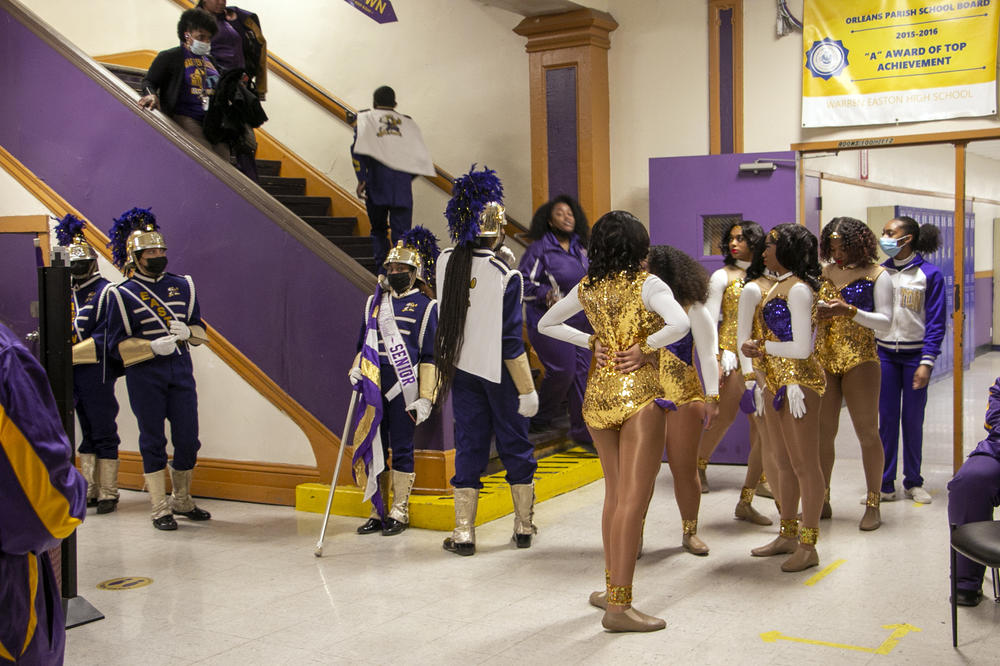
520,372
746,495
808,535
690,527
134,350
619,595
789,528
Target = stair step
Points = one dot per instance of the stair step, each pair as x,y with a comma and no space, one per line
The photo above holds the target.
368,263
304,206
353,245
268,167
333,226
275,185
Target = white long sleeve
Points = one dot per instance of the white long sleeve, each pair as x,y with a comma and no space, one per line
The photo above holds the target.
749,299
716,288
800,303
706,342
880,320
658,298
551,323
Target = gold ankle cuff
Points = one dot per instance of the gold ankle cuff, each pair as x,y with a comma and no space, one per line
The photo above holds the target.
746,495
873,499
789,529
826,497
690,526
808,535
763,478
702,464
619,595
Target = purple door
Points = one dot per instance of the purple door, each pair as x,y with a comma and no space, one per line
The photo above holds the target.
691,202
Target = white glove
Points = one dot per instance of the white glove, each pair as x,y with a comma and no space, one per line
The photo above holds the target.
728,361
164,346
355,376
505,254
422,406
758,400
796,400
180,329
527,404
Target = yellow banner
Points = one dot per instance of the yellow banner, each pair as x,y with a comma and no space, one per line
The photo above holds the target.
870,62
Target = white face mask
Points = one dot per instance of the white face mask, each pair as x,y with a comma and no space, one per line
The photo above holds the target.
200,48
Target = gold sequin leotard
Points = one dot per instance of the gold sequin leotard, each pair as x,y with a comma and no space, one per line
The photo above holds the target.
615,309
730,308
842,344
678,374
778,370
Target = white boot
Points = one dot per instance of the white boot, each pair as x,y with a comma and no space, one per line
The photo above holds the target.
107,473
463,538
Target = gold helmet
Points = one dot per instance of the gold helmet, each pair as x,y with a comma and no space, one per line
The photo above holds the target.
405,254
492,220
144,239
80,250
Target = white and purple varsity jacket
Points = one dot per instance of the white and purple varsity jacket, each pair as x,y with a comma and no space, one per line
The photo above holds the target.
919,310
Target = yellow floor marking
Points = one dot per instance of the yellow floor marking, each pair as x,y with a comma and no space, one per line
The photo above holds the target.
824,573
899,630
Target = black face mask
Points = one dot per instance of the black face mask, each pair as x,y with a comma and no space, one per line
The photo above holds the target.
156,265
81,268
399,282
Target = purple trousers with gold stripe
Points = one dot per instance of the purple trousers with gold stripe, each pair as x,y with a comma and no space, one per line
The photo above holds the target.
32,626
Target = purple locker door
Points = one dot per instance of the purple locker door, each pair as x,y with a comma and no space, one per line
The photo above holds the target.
18,283
688,199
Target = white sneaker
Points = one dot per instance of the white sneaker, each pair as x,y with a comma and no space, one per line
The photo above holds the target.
889,497
918,495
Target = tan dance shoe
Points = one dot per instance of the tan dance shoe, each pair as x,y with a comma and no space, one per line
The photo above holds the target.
872,519
801,559
690,540
599,599
631,620
702,475
745,511
784,543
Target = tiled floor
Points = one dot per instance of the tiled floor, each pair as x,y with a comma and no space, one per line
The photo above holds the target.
245,588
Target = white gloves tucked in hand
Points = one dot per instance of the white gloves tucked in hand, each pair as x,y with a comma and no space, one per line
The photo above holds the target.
422,406
355,376
796,400
728,361
527,404
164,346
180,329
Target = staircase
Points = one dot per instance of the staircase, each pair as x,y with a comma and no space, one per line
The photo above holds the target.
291,192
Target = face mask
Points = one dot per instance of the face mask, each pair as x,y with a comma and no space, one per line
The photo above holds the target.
890,246
399,282
81,268
200,48
156,265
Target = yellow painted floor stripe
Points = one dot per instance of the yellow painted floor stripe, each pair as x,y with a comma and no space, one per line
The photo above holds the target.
824,573
556,475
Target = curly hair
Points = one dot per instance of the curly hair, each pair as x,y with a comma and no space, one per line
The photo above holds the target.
858,240
686,277
540,220
196,19
926,237
796,250
618,242
752,234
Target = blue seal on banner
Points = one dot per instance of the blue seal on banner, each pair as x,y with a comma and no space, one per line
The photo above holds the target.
826,58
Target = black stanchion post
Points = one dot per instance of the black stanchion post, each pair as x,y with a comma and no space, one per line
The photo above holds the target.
57,358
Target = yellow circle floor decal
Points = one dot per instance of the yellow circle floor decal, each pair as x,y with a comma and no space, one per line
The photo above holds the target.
124,583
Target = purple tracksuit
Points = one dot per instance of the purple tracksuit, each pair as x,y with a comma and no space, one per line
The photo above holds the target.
43,500
94,383
545,262
918,327
975,489
389,201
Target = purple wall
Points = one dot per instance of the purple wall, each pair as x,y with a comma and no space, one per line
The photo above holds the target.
684,189
18,283
290,312
984,313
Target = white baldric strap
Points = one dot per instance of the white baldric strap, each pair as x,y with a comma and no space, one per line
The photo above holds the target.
395,348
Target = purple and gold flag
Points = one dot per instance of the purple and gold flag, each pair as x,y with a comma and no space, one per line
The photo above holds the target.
368,461
378,10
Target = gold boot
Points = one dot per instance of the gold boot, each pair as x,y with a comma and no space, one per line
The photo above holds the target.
784,543
702,475
181,502
399,515
107,474
745,511
88,466
805,554
628,619
872,519
523,495
690,540
156,483
463,538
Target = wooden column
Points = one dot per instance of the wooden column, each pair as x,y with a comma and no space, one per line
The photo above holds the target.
568,56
